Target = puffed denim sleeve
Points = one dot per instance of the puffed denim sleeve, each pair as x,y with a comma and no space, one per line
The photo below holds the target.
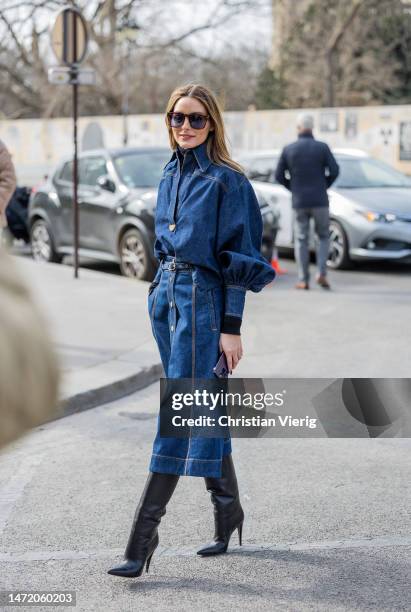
240,229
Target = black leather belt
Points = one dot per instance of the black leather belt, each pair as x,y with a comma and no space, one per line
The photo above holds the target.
172,264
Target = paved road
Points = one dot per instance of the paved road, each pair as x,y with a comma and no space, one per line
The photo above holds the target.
358,329
327,521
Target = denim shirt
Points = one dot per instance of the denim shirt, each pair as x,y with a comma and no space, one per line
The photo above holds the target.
208,215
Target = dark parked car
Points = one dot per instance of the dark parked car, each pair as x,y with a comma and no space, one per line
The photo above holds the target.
117,195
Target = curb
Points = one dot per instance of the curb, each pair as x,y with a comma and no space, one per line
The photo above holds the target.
108,393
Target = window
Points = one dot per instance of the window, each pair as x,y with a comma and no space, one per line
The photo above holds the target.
366,173
90,169
66,173
260,168
140,170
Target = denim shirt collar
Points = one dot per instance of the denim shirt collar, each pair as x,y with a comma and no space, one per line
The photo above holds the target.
200,155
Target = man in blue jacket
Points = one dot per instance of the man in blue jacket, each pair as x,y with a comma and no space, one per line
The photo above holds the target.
308,168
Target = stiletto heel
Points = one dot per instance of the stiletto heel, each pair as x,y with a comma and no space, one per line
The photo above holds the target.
149,561
143,539
240,532
133,568
228,513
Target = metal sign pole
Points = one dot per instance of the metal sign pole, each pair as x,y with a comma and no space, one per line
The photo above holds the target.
69,41
75,165
75,173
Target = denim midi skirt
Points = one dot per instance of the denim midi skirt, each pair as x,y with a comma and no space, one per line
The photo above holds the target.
186,321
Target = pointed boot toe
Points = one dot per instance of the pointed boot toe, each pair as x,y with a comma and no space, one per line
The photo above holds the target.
220,544
214,548
228,513
143,539
129,569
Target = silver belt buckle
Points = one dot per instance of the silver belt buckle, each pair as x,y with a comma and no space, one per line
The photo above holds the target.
172,265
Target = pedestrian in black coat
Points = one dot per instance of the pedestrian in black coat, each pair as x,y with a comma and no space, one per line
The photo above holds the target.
307,168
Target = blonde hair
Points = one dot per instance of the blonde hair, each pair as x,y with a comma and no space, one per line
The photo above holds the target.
29,373
216,141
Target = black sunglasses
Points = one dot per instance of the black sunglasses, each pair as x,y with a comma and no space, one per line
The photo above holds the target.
197,120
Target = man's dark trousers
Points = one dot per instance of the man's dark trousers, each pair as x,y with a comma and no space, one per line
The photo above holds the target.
301,239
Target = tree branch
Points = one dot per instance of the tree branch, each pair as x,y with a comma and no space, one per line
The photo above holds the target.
342,28
19,46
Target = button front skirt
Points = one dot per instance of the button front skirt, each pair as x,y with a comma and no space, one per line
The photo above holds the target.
186,322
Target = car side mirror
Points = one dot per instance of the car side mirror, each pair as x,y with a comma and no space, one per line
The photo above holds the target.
105,182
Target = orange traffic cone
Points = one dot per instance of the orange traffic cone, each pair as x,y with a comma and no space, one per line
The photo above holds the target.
275,263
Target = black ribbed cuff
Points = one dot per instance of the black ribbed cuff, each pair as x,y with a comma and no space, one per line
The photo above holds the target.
231,325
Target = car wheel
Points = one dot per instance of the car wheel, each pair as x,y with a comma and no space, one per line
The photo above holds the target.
42,243
338,254
135,259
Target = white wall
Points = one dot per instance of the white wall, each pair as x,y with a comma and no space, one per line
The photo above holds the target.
37,144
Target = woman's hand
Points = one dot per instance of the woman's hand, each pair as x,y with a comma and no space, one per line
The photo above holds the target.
231,345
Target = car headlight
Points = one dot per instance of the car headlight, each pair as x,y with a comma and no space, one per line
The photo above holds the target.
373,216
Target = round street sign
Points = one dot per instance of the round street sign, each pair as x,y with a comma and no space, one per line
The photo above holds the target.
69,37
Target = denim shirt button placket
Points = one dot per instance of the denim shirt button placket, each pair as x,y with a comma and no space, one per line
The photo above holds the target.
172,226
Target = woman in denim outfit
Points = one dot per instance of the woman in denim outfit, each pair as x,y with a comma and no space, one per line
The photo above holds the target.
208,237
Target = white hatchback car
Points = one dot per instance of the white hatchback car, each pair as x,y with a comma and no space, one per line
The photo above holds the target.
370,207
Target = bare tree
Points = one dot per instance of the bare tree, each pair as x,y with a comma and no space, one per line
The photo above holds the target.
348,53
332,45
25,53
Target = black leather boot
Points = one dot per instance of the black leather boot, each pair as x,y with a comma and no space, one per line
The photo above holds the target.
228,513
143,538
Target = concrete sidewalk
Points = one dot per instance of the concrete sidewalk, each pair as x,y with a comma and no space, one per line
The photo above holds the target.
101,331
